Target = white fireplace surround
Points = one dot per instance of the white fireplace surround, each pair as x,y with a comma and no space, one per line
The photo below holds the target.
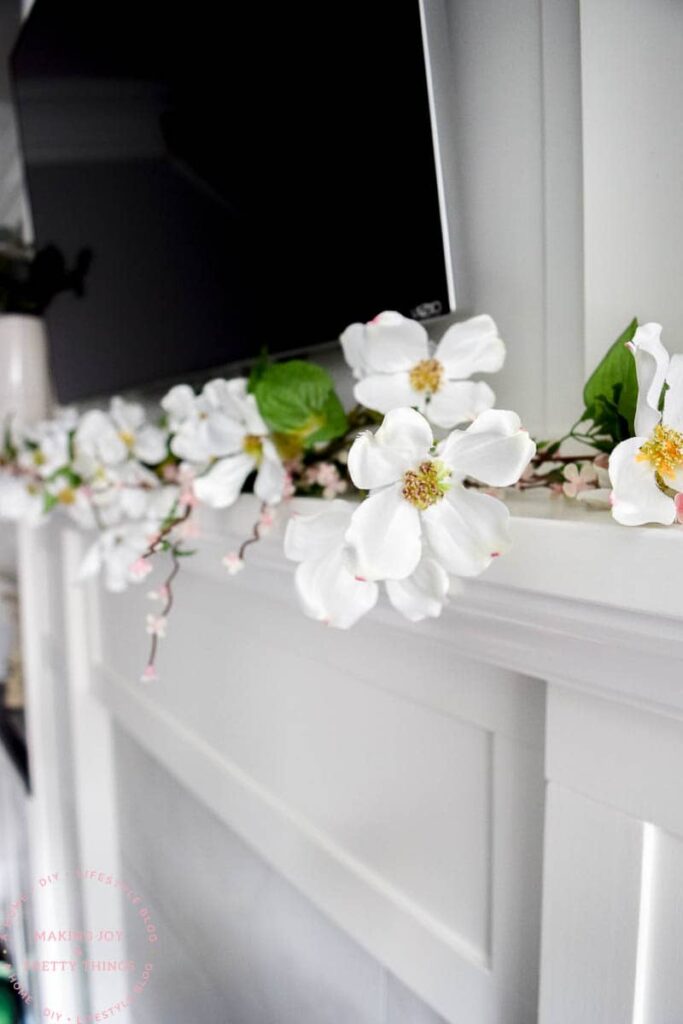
487,803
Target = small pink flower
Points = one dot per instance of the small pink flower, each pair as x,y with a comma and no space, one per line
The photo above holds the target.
294,466
289,488
678,502
159,595
156,625
578,480
140,569
170,474
233,563
149,675
326,475
266,521
333,490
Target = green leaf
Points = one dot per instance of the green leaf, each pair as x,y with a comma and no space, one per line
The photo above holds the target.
334,421
548,449
298,398
49,501
258,370
613,387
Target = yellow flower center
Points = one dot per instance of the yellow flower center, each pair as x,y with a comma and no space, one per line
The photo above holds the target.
427,484
664,451
38,458
67,496
427,375
253,446
127,438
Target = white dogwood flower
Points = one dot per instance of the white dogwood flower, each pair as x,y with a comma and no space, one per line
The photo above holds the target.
143,441
328,591
226,431
417,494
327,588
103,440
423,594
45,448
116,553
20,500
396,366
647,470
209,425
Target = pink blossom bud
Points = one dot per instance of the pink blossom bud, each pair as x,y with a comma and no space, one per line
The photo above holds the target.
156,625
140,568
233,563
678,502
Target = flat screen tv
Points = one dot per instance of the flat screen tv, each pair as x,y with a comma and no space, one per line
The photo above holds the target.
247,176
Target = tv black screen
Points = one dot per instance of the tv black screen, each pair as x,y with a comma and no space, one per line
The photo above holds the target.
247,176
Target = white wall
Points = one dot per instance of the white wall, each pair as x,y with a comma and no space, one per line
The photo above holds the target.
632,79
507,78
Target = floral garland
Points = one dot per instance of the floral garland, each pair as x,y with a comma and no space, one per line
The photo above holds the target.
420,463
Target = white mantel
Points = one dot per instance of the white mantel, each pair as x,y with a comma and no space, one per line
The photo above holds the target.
439,791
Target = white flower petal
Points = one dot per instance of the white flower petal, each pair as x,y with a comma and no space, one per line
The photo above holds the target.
160,502
271,476
493,449
224,435
216,395
652,364
179,405
233,398
150,445
126,415
459,402
384,536
199,440
598,497
400,443
673,398
353,346
17,503
421,595
96,437
112,449
636,498
467,530
471,347
393,343
387,391
313,536
221,486
329,593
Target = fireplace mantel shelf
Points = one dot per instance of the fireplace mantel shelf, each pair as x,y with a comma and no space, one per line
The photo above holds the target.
435,789
578,598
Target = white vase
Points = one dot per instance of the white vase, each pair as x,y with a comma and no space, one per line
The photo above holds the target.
25,389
